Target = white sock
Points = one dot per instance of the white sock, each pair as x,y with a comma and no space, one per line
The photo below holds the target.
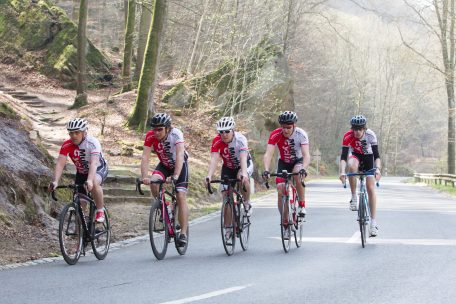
354,198
100,210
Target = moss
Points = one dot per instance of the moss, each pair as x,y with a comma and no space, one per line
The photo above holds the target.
30,210
172,92
5,219
7,111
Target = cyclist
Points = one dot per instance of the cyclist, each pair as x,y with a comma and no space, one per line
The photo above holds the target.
362,143
91,167
232,147
294,156
168,143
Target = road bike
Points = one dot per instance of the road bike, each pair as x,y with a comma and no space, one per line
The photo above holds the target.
77,229
364,214
234,221
290,221
163,220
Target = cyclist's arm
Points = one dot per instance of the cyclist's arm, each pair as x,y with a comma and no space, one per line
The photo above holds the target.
93,164
268,156
343,163
60,164
377,162
215,156
305,156
145,161
180,150
243,155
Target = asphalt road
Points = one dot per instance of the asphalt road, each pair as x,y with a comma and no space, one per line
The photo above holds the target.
411,260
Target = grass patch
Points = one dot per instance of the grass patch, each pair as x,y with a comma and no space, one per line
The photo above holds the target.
7,111
447,189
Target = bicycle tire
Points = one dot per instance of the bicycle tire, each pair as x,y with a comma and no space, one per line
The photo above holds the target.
158,231
180,249
101,240
298,230
228,239
70,234
362,219
244,227
285,230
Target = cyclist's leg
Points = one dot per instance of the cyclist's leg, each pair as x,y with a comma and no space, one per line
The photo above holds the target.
246,185
97,190
353,167
280,182
230,174
160,173
299,188
370,185
181,196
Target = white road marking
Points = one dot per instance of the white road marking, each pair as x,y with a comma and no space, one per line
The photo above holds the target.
207,295
355,239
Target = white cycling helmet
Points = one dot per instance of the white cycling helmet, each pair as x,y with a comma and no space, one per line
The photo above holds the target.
77,124
225,124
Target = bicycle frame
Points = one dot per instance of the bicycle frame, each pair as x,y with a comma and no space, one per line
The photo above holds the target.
77,196
364,213
169,216
289,220
240,223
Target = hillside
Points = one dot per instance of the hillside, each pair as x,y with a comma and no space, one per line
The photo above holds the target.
30,233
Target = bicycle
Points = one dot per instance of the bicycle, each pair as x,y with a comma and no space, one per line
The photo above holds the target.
77,230
232,208
163,223
364,214
289,221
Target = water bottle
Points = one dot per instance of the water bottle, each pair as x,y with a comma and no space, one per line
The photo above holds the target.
168,208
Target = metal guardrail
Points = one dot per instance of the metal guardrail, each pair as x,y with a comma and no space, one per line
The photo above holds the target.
437,179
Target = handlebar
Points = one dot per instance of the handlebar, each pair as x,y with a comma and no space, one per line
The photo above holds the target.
222,181
139,182
72,186
370,172
284,174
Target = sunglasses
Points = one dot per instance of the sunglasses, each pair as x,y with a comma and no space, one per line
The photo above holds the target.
159,129
288,127
226,132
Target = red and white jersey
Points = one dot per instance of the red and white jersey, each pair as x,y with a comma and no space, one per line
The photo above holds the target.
360,146
289,148
166,149
231,152
81,154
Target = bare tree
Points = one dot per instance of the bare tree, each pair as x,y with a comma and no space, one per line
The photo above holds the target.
445,33
128,46
145,99
144,27
81,82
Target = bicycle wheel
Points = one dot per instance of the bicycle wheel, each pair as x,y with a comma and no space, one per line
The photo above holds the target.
285,225
228,227
362,219
70,234
176,227
244,227
158,230
101,237
298,229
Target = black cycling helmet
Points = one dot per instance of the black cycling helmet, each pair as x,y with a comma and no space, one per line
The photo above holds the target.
160,120
77,124
358,121
288,117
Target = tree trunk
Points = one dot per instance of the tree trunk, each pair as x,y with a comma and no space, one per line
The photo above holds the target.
144,26
81,82
145,101
129,35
